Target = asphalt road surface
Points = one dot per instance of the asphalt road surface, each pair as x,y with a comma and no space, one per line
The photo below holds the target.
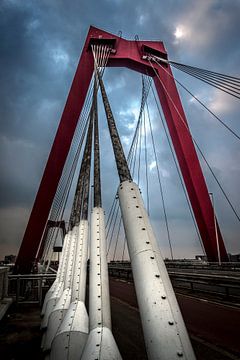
213,328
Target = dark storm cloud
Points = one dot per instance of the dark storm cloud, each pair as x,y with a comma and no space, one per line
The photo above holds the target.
40,47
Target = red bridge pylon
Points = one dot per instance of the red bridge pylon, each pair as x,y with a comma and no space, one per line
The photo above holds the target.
133,55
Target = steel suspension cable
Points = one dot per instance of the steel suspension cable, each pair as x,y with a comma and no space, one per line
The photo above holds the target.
146,161
58,213
229,78
112,232
216,80
177,168
139,154
92,93
160,183
211,82
118,232
124,246
200,151
145,93
201,103
131,157
103,63
72,158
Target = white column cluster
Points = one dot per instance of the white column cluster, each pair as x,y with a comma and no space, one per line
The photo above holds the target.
68,331
65,321
72,332
100,344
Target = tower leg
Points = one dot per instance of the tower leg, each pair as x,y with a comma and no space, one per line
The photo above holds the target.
189,165
55,163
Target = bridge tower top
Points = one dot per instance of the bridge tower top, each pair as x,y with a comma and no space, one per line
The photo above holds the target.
135,55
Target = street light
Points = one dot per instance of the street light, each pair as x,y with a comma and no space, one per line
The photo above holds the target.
215,227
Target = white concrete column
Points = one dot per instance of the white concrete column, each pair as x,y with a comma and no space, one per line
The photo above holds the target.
100,344
165,334
70,339
60,273
60,307
52,298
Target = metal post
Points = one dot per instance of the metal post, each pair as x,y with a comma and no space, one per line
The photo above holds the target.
40,282
18,290
5,293
216,231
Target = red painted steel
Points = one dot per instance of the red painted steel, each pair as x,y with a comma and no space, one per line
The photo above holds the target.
189,164
126,54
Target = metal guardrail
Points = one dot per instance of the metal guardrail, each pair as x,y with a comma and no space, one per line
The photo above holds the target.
227,286
29,288
5,301
188,264
213,266
3,282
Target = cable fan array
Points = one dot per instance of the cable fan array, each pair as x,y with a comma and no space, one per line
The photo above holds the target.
226,83
69,332
158,62
143,161
72,163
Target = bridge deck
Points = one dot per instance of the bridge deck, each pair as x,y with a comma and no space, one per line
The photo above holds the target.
213,328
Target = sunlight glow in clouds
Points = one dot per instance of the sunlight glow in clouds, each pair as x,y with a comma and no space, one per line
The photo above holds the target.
180,33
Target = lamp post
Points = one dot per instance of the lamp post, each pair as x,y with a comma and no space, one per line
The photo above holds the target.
215,227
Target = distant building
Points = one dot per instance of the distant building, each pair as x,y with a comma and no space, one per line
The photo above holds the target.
234,258
9,259
201,257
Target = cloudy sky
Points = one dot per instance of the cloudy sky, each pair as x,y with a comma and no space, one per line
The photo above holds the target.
40,44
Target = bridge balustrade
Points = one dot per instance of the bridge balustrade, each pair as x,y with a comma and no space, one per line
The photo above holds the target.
29,288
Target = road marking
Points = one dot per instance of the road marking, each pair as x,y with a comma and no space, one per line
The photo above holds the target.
214,347
234,306
125,303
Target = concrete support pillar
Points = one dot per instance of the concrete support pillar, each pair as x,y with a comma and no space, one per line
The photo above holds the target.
164,331
100,344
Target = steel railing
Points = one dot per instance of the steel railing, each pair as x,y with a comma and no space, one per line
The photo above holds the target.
223,285
29,288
